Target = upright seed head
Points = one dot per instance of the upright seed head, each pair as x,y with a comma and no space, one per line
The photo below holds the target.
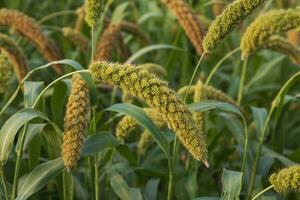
286,180
156,93
15,55
76,119
188,20
232,16
272,23
30,29
5,72
77,38
93,11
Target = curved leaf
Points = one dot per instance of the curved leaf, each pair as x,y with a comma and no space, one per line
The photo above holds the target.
142,119
231,184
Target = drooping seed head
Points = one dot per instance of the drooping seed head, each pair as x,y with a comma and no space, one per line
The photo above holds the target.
80,12
93,11
144,142
5,72
267,25
232,16
77,38
30,29
158,95
286,180
188,20
294,37
200,117
10,50
76,119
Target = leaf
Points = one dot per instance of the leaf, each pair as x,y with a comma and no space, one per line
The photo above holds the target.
150,48
11,128
270,153
119,11
119,186
38,178
150,191
212,104
127,154
259,115
31,92
207,198
135,194
97,143
142,119
231,184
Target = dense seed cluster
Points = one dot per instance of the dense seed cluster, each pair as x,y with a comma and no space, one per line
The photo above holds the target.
156,93
29,28
127,124
286,180
93,11
265,26
10,50
281,45
144,142
107,42
77,38
200,117
189,21
294,37
80,20
5,72
232,16
76,119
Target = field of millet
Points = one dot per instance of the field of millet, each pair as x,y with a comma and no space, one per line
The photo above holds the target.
150,99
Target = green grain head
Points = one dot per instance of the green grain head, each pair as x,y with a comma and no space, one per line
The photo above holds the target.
93,11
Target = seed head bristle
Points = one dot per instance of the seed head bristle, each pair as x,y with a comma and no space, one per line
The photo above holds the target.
14,53
189,21
156,93
29,28
286,180
93,11
267,25
76,118
232,16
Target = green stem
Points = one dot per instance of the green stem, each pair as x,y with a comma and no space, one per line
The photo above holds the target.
57,14
218,65
176,143
242,82
18,163
262,192
93,44
3,181
96,162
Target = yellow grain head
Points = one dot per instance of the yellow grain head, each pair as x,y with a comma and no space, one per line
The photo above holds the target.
213,93
15,55
76,120
144,142
30,29
157,94
286,180
294,37
93,11
188,20
232,16
5,72
77,38
80,20
200,117
267,25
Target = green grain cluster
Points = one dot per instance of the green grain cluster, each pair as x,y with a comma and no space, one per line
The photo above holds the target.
93,11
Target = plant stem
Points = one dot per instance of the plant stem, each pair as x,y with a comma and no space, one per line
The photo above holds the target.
96,161
263,191
3,181
242,81
175,145
218,65
18,163
57,14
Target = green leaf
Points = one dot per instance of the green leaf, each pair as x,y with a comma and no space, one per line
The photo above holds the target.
38,178
260,116
231,184
119,186
270,153
97,143
150,48
119,12
142,119
207,198
11,128
127,154
31,92
135,194
150,191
